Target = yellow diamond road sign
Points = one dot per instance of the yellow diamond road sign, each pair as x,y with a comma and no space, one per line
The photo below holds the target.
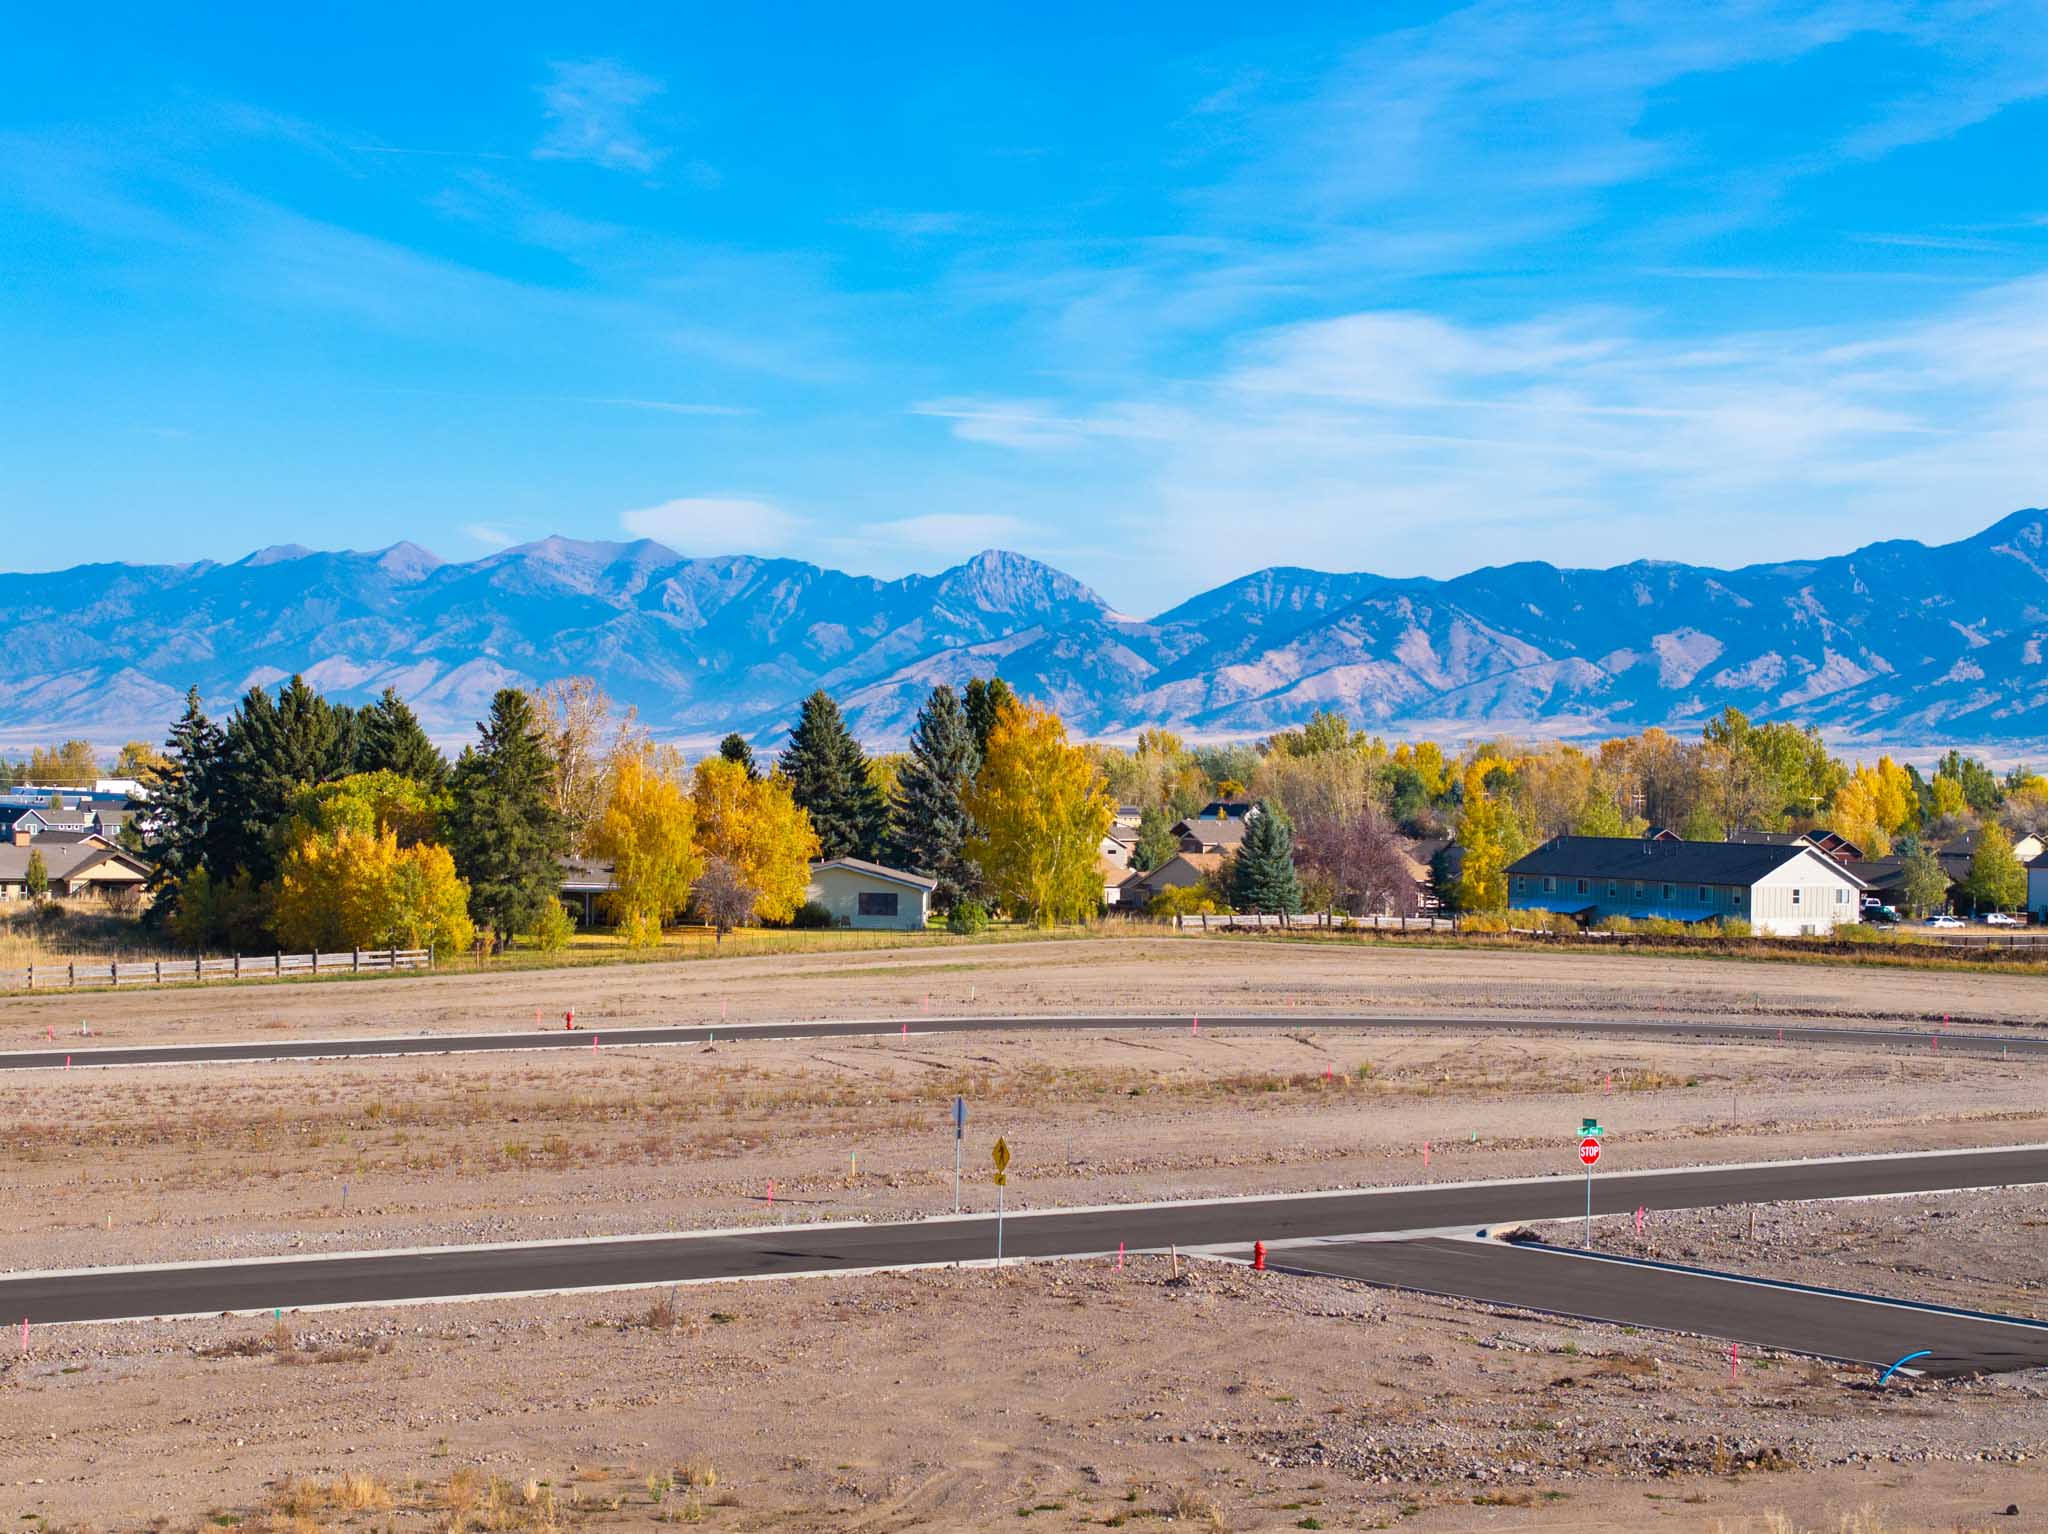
1001,1156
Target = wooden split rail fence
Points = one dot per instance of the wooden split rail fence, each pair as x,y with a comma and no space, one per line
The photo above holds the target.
116,973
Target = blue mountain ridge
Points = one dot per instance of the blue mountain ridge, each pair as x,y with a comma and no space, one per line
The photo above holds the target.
1895,641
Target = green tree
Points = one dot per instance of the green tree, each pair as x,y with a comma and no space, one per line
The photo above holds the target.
506,834
269,750
1262,875
177,830
1978,782
1923,881
1997,879
389,739
1702,825
828,776
1156,841
928,818
734,748
984,701
36,877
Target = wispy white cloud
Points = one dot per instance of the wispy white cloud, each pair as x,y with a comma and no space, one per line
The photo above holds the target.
718,524
590,106
488,535
1409,441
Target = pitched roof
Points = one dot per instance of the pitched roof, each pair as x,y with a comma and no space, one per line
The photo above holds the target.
63,860
1631,857
876,871
1211,833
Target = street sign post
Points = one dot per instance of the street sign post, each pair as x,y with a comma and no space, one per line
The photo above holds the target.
1001,1156
959,1133
1589,1153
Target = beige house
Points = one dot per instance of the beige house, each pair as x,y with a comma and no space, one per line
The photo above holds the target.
81,869
1177,872
863,894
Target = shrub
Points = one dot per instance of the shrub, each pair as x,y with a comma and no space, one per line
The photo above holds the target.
1183,900
1489,921
810,916
1734,926
1618,924
1662,926
966,918
551,933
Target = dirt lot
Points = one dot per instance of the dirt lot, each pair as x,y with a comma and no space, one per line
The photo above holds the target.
142,1165
1058,1396
1090,975
1062,1395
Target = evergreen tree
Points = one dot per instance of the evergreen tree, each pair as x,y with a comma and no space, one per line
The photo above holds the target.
1262,876
929,821
507,836
35,878
1156,841
389,739
984,701
270,750
734,748
828,776
177,828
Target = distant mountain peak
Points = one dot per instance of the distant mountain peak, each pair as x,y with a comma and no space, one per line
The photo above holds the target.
1897,642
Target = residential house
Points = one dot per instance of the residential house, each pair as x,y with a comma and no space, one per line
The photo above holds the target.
34,821
1200,833
585,882
863,894
81,868
2037,887
1177,872
1833,843
1118,843
1779,890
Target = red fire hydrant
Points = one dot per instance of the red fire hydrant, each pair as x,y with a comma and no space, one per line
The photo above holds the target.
1258,1256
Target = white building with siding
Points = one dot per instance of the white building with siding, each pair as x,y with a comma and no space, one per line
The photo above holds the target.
1782,891
863,894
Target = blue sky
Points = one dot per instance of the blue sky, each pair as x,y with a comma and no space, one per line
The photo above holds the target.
1160,297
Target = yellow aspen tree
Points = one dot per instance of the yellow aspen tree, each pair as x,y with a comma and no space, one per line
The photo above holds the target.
1041,808
757,826
647,830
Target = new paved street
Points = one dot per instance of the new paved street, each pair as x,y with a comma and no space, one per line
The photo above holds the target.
110,1293
2015,1044
1856,1328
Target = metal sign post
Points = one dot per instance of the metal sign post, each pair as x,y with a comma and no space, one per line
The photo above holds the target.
959,1133
1001,1156
1589,1153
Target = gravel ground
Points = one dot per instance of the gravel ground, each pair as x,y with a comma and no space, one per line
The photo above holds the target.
1070,1395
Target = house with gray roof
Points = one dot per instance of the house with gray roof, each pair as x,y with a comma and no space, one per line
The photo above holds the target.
1781,890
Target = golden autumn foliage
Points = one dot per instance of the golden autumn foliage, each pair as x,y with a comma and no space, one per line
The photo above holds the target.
757,827
1041,807
647,831
351,888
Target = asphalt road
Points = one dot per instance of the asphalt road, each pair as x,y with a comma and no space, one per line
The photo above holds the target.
451,1272
59,1056
1855,1328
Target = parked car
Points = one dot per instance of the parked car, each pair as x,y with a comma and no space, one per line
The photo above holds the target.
2002,919
1877,913
1944,920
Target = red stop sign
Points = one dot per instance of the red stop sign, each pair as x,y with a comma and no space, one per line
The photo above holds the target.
1589,1150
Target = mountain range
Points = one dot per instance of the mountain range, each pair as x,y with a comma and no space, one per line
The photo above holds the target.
1897,641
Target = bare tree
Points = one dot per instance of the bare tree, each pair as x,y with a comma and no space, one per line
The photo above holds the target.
1359,859
723,897
585,734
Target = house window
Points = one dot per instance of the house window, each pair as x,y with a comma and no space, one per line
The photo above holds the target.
1550,884
1706,895
1669,891
1585,886
1841,897
1521,885
877,903
1639,889
1612,889
1796,893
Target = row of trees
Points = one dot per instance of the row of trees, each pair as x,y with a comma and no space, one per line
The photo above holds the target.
309,824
